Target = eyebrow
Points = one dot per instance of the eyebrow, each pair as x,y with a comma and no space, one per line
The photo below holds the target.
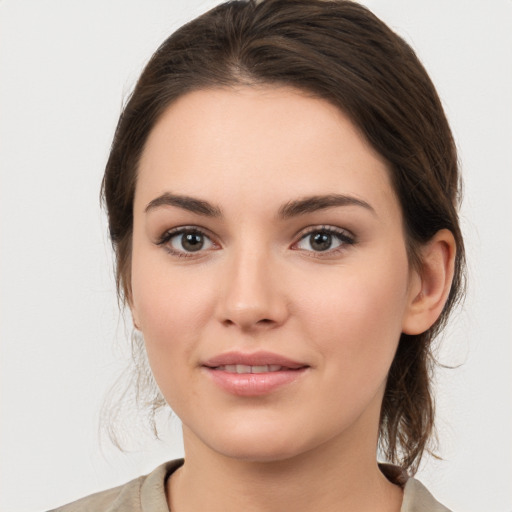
314,203
191,204
294,208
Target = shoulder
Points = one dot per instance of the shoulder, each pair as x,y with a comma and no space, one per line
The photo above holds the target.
417,498
144,494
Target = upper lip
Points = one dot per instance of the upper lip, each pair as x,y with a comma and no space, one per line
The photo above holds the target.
253,359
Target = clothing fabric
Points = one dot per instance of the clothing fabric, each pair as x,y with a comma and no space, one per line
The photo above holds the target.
147,494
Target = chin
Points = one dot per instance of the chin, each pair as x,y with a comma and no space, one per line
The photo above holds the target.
253,444
257,454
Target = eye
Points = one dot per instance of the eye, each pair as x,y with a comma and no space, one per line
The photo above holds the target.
186,241
325,239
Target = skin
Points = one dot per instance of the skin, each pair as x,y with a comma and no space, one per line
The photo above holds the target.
258,283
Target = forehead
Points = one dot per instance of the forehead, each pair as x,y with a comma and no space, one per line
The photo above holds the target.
260,143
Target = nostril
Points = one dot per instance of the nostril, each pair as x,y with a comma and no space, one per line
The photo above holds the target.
245,323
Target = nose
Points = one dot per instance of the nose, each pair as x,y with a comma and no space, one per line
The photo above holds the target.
252,297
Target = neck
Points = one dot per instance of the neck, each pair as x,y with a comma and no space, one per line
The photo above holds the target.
338,475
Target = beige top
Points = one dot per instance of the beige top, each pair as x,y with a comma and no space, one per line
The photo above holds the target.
147,494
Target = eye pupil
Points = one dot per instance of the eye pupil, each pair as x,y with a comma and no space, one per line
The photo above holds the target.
192,242
321,241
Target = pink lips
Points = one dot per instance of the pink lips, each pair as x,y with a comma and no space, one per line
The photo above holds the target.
252,374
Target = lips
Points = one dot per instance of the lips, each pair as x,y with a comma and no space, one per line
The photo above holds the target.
243,368
254,374
254,359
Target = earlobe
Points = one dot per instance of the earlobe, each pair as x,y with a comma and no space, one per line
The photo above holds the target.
135,318
134,314
431,283
129,302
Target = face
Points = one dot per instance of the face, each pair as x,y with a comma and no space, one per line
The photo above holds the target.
269,273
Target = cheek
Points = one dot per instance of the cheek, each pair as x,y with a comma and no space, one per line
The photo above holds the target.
171,308
167,296
170,323
355,319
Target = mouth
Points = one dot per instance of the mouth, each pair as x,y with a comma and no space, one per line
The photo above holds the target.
243,368
254,374
260,362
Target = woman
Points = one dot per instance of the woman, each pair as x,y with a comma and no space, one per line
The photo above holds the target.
282,195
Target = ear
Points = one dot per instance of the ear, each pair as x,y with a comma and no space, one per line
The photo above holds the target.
135,320
430,284
133,311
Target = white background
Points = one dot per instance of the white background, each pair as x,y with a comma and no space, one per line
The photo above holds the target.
65,67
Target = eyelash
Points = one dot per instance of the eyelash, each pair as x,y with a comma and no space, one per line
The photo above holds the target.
343,236
185,230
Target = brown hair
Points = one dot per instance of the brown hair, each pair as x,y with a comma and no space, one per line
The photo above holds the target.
338,51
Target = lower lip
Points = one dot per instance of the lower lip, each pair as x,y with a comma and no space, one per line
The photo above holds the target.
253,384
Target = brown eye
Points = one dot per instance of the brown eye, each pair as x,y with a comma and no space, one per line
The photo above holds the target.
191,241
186,240
323,240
